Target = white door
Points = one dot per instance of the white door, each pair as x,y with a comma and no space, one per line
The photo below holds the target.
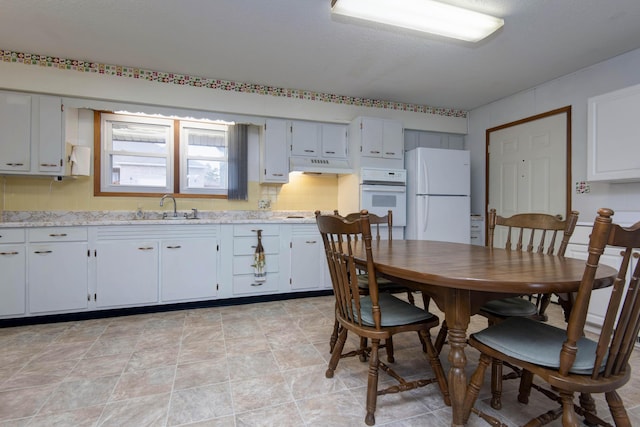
528,165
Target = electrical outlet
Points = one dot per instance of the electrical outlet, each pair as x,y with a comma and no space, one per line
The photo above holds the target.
264,204
583,187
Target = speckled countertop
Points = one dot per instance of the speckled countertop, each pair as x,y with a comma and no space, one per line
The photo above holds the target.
14,219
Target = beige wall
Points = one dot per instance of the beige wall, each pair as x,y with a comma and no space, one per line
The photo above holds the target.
303,192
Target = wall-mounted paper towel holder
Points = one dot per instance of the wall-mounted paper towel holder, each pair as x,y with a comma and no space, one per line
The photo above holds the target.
79,160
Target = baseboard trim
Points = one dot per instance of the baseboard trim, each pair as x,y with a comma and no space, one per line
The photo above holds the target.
100,314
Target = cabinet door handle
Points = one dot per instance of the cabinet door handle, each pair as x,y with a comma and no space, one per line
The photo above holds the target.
329,152
311,242
374,152
42,252
174,247
257,284
277,174
309,151
9,253
49,165
146,248
390,153
14,164
58,235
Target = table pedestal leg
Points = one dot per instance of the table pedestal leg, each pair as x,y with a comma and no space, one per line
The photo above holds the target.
457,309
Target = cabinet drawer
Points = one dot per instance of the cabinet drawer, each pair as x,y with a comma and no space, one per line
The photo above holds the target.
58,234
243,264
12,235
247,245
251,230
243,285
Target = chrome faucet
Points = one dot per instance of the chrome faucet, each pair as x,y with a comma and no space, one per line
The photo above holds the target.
175,207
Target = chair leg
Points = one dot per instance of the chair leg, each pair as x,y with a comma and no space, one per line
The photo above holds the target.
496,384
569,418
410,298
525,387
442,336
337,352
372,383
436,366
473,389
388,343
543,303
363,345
334,335
618,413
588,404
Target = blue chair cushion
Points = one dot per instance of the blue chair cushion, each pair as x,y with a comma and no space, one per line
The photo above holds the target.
510,307
395,312
363,281
537,343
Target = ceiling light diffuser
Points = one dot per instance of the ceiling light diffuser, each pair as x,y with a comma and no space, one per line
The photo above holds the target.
422,15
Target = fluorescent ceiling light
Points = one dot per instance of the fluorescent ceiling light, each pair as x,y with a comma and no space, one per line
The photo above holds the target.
422,15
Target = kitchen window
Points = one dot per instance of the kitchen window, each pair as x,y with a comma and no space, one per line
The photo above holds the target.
152,156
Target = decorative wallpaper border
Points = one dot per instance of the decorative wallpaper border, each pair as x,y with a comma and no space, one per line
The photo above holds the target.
210,83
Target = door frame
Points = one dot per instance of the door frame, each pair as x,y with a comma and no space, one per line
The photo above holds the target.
564,110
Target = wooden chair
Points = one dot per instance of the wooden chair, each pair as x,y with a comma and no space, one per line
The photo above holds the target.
384,284
376,316
530,232
540,231
565,359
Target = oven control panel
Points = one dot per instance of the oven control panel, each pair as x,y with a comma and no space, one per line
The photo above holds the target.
383,176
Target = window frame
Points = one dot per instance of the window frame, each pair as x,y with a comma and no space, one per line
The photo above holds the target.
175,164
184,157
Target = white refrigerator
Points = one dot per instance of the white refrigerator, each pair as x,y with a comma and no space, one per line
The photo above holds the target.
438,195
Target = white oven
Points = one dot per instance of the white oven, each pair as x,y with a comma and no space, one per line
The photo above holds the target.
382,190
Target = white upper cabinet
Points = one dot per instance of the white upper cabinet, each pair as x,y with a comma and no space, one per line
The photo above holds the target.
15,132
334,140
613,129
305,138
31,134
274,158
50,136
381,138
311,139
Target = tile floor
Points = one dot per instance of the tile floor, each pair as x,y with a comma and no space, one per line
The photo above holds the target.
248,365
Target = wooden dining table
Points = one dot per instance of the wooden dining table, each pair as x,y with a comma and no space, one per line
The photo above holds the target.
460,278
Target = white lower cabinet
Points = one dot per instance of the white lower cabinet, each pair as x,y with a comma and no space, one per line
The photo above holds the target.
579,248
58,269
13,265
189,269
309,269
127,273
245,239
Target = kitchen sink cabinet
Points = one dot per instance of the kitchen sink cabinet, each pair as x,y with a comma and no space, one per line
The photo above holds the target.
309,269
31,134
126,262
13,264
189,268
58,262
274,157
127,273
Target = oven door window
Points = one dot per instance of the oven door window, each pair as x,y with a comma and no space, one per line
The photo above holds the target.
384,201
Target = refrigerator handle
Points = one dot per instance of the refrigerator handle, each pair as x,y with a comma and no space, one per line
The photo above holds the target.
425,213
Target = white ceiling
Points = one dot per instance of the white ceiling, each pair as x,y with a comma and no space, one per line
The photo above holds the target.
296,44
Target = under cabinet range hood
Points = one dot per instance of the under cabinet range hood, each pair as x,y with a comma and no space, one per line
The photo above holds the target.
319,165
